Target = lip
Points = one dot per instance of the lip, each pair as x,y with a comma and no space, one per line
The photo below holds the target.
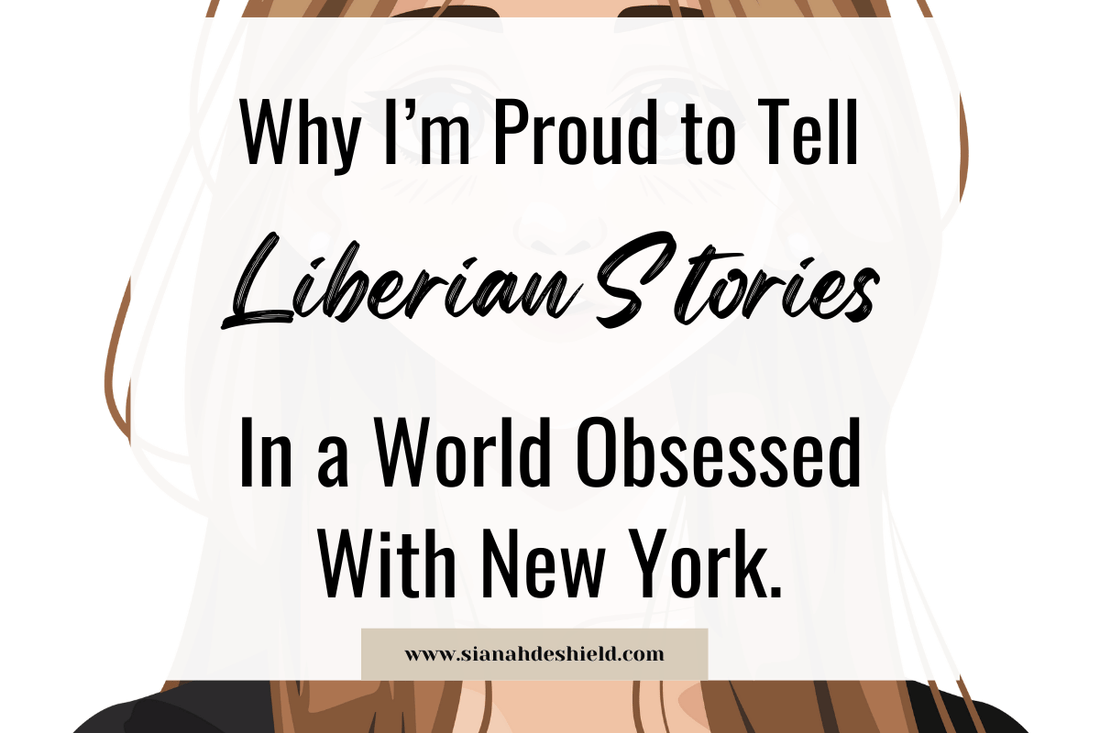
578,321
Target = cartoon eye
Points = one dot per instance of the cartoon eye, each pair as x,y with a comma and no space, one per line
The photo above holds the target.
672,96
436,97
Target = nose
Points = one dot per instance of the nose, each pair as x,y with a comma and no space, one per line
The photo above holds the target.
543,227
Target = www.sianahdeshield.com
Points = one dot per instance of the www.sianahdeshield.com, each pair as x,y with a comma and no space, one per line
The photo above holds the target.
537,654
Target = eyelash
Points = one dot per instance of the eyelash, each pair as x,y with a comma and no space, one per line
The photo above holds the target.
465,92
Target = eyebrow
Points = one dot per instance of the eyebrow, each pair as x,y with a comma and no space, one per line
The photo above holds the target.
451,11
658,11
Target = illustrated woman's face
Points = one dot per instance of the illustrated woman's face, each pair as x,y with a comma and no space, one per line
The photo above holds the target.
541,208
457,216
545,212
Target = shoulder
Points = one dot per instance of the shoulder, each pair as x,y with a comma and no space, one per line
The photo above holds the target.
196,707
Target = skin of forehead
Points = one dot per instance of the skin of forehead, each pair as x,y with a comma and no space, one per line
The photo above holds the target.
544,8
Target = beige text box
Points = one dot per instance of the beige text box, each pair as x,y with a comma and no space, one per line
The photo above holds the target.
534,654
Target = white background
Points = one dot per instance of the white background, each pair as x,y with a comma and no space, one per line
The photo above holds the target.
991,446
